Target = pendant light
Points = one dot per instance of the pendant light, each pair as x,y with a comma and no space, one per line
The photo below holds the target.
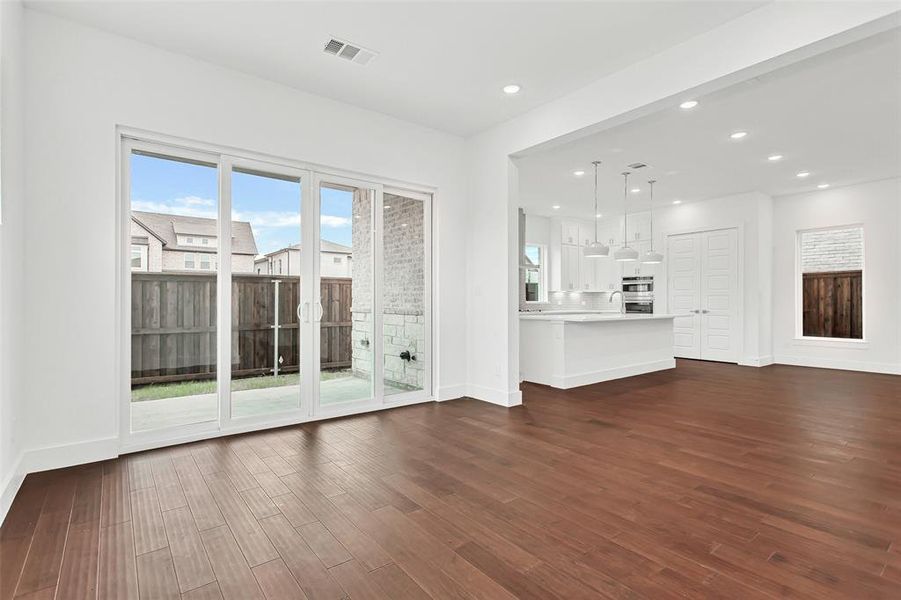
626,253
596,249
650,257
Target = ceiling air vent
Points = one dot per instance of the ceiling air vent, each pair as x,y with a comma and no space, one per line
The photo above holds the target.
637,166
347,51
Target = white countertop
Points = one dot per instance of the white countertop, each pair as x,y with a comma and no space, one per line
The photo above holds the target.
590,317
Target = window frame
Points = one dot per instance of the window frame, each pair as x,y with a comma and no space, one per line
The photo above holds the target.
809,340
143,256
542,274
193,262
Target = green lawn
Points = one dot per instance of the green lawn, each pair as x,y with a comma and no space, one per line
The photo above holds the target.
159,391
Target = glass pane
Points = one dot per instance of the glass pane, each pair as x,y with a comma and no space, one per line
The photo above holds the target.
345,268
832,282
265,293
173,292
403,294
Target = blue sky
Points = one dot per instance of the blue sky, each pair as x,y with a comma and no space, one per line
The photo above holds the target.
271,206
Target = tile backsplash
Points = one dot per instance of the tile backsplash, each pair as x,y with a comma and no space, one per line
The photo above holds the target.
573,301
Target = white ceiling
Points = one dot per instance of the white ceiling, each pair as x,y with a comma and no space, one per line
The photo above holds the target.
837,116
440,64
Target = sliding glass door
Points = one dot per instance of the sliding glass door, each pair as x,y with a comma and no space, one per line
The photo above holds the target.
258,294
344,312
266,282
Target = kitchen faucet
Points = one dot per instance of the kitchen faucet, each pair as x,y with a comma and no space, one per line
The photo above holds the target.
622,301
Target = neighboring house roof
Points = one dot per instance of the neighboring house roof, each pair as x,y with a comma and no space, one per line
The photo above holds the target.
324,245
168,227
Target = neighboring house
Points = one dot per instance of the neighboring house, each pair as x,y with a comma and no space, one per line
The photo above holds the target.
334,261
163,242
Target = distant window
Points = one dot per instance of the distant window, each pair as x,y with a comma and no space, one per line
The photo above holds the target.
189,260
337,260
279,266
831,280
204,241
534,274
205,262
189,240
138,258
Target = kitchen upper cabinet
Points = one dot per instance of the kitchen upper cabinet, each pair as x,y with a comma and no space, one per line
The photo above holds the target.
638,228
586,234
569,232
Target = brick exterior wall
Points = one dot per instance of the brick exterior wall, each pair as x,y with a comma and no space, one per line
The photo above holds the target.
403,290
832,250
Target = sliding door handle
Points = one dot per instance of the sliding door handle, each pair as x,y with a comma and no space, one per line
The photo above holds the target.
321,311
303,312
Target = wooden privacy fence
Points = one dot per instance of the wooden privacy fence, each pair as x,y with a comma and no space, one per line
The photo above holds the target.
833,304
173,325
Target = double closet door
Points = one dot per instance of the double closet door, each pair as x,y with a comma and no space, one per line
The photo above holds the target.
258,294
702,291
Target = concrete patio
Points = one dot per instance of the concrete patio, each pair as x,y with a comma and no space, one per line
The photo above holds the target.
183,410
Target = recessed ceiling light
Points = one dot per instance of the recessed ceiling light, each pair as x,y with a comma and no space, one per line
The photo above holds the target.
823,186
803,174
598,216
387,206
556,207
677,202
738,135
688,104
774,157
403,224
578,173
635,190
511,89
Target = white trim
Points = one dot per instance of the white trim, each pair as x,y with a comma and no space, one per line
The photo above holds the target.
68,455
223,290
10,487
756,361
591,377
450,392
841,364
494,396
825,342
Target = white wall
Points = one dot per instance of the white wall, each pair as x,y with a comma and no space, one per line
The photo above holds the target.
82,83
12,243
760,41
876,206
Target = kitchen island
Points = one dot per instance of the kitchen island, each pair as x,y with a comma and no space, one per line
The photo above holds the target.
569,349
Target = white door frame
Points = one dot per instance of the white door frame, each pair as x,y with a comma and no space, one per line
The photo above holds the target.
740,261
128,139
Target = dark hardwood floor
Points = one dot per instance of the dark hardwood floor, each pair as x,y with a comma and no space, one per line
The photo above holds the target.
707,481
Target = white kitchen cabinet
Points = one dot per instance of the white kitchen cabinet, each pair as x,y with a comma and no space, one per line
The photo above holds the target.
570,260
588,273
569,232
586,234
608,274
639,227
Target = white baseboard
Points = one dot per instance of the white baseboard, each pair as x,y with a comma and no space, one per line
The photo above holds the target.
842,364
756,361
580,379
451,392
499,397
10,487
68,455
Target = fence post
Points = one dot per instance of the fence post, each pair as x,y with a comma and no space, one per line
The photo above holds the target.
275,331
